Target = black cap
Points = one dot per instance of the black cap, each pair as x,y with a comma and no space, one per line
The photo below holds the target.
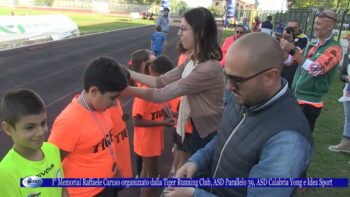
166,9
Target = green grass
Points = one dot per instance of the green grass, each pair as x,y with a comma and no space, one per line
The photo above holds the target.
87,22
328,131
226,33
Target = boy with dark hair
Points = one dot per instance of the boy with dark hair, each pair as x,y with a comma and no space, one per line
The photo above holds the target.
24,120
161,65
157,42
87,132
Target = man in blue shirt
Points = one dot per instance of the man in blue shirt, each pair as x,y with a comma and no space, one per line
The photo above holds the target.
263,134
279,28
163,21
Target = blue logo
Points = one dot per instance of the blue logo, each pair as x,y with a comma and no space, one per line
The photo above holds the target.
32,181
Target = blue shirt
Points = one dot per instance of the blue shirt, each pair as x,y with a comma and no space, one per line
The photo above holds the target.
246,26
163,22
279,29
158,39
283,156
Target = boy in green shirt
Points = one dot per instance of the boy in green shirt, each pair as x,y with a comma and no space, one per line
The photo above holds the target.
23,116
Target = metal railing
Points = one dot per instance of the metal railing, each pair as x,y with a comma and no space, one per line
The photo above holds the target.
306,18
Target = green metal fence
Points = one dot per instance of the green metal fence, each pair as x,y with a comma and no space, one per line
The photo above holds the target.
305,17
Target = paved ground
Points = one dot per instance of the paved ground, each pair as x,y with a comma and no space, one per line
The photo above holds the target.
54,70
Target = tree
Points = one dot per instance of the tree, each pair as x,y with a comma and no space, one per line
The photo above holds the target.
178,6
48,3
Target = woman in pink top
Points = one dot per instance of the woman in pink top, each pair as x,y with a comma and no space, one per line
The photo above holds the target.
239,31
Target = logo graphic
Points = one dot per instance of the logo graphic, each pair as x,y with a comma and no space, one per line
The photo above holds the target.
32,181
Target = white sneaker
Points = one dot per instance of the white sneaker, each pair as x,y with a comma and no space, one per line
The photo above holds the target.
343,146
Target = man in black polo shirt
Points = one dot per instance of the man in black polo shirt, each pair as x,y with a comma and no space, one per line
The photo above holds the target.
293,33
266,26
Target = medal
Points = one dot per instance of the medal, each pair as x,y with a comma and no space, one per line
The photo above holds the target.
125,117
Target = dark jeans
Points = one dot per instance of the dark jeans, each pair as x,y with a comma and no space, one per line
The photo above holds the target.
138,164
197,142
184,146
311,113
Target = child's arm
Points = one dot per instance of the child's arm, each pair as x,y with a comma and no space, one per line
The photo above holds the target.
151,43
140,122
165,43
63,154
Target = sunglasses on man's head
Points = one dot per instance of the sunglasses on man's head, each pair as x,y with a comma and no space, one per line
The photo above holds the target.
323,14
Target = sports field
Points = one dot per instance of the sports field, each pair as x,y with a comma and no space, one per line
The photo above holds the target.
87,22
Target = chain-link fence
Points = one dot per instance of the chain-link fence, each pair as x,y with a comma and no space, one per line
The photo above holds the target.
306,18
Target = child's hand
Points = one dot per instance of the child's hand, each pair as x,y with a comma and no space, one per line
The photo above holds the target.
344,78
175,114
169,122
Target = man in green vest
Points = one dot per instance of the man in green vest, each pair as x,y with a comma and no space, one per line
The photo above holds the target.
316,65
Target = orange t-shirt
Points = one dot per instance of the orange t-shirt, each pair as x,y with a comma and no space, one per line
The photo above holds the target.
148,141
174,106
75,130
182,59
122,144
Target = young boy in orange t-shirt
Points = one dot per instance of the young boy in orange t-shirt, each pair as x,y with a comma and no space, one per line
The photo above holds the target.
87,132
148,130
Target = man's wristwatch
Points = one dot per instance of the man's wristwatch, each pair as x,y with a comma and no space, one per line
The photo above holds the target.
293,51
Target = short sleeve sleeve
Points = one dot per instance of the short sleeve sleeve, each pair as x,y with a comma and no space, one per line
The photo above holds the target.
65,132
138,107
